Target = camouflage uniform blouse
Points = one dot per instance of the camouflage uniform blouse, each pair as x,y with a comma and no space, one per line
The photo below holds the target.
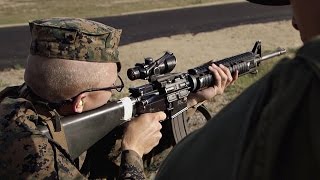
27,154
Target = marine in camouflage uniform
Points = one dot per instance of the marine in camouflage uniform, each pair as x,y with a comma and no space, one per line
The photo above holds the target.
25,152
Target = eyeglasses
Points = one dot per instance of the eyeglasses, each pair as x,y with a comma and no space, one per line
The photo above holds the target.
118,86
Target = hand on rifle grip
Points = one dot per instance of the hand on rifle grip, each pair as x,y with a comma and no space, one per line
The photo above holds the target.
142,133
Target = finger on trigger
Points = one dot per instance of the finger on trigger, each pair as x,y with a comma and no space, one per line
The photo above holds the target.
161,116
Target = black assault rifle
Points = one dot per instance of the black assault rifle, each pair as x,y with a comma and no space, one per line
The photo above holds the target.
165,91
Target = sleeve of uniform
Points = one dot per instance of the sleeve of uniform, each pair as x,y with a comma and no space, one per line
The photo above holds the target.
26,155
131,166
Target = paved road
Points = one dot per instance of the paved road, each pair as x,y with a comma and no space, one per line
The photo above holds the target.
14,41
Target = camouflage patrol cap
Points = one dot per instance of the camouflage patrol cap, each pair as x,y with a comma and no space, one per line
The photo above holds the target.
271,2
75,39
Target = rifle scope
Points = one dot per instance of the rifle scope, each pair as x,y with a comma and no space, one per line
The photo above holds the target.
144,70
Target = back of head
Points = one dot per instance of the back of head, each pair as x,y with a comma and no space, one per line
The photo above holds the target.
69,55
271,2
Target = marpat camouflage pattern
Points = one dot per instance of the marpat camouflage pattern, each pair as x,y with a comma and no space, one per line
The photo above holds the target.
28,154
74,39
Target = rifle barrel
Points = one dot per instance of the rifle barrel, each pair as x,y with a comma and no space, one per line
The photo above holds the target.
278,52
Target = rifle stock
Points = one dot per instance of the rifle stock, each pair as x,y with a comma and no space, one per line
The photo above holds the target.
84,129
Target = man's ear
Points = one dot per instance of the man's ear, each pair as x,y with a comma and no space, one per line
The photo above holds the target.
78,103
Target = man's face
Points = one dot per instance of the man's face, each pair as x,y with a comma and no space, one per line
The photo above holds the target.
306,15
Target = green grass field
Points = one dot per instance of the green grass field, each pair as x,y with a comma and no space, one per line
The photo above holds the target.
21,11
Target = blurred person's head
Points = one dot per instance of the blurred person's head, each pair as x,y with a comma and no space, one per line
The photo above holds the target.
70,60
305,15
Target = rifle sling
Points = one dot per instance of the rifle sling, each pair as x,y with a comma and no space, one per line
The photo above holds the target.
57,136
179,124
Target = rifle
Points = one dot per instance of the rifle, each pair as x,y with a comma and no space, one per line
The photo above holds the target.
165,91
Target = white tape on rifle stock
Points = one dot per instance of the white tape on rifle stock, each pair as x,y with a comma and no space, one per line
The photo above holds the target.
127,107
